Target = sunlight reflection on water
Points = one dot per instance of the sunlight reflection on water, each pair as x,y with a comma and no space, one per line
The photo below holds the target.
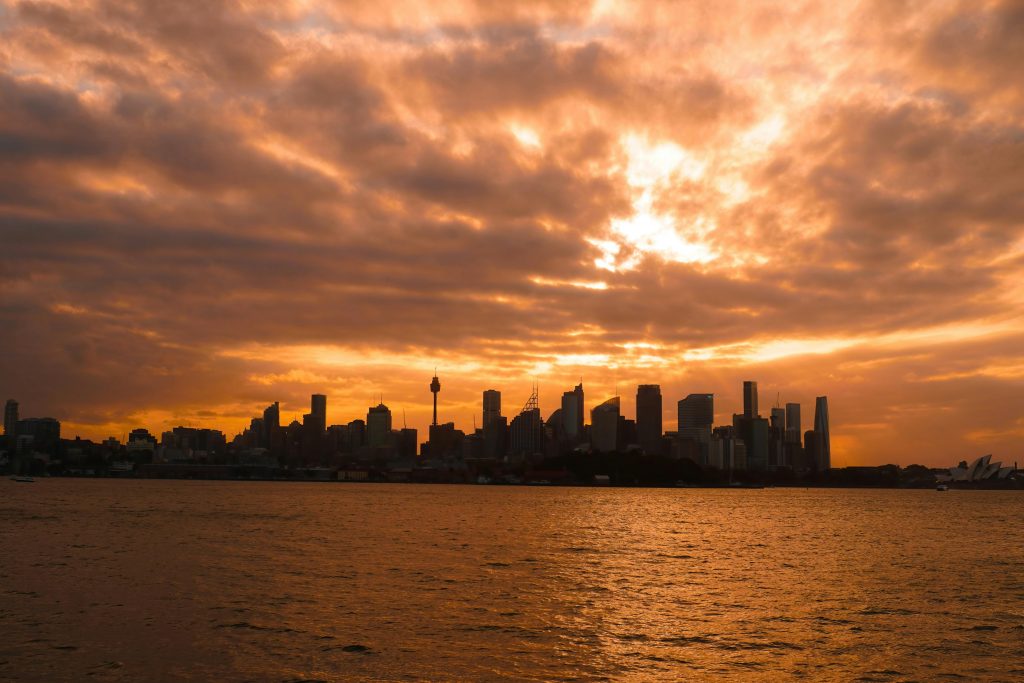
130,580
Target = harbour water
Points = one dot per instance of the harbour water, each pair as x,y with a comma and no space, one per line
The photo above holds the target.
129,580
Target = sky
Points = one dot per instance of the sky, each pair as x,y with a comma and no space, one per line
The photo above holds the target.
209,206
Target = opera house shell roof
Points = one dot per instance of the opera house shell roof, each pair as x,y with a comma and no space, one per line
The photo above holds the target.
982,469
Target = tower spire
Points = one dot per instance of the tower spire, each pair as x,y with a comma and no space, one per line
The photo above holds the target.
435,387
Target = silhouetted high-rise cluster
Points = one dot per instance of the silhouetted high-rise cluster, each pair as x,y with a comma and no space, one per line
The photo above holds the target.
750,442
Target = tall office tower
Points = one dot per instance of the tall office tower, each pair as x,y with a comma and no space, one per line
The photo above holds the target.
821,427
435,387
496,438
695,412
11,418
407,443
604,426
793,423
755,434
44,431
378,425
271,425
272,416
812,451
356,434
492,407
318,409
777,440
648,418
750,399
525,433
572,413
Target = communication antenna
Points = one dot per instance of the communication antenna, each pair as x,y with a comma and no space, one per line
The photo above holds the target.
405,425
777,399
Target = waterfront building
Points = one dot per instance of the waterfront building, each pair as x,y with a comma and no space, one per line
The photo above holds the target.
604,426
526,433
496,438
378,426
695,413
11,418
793,423
407,443
318,411
42,432
444,440
572,413
491,407
272,426
813,451
648,418
750,399
821,427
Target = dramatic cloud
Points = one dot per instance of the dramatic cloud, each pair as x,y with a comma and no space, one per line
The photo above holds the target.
208,206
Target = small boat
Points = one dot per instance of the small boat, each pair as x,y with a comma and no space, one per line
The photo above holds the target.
23,479
942,487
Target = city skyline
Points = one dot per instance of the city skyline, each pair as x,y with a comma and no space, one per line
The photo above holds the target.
210,206
465,408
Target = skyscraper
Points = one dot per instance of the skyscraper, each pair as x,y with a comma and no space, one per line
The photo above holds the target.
572,413
11,418
318,409
378,425
526,433
777,439
793,423
750,399
492,407
272,426
821,427
604,426
695,412
648,417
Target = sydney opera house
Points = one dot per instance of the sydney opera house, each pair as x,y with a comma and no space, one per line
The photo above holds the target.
982,469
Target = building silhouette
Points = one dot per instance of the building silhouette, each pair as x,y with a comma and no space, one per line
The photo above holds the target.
378,426
793,422
444,440
407,443
356,435
491,407
42,434
604,426
821,427
495,435
11,418
648,418
272,427
318,410
813,451
750,399
572,414
696,413
526,433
